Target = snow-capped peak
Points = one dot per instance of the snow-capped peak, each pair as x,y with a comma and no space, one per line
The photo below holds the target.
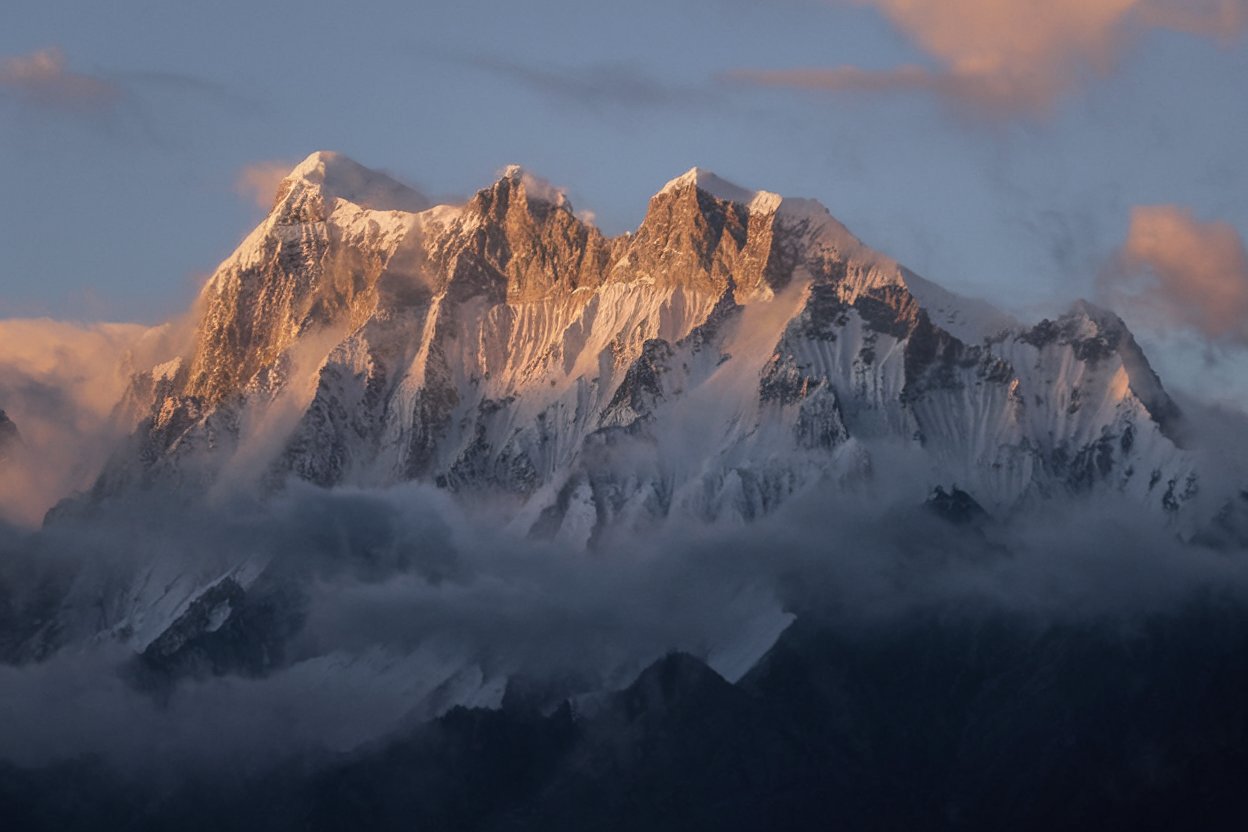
1103,318
315,164
709,182
1096,322
720,188
535,187
339,177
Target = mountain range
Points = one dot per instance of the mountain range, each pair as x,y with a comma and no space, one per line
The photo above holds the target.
470,516
736,349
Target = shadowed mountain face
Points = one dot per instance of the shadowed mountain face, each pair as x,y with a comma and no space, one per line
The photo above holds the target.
963,722
737,349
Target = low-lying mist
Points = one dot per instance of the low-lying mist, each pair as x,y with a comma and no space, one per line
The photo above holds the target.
61,384
360,614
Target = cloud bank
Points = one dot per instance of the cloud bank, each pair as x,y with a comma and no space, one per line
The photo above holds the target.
60,383
593,86
381,608
1007,58
1176,270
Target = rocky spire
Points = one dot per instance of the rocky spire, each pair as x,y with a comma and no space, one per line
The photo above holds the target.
524,230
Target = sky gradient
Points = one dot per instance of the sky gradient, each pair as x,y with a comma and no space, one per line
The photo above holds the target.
1026,153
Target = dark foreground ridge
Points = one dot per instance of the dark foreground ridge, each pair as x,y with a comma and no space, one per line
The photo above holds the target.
948,722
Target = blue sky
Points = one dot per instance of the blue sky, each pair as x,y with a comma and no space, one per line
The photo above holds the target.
997,161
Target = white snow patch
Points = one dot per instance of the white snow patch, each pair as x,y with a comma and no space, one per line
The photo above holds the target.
167,370
707,181
968,319
342,178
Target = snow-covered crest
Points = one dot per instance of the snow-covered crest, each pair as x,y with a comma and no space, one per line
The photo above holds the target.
339,177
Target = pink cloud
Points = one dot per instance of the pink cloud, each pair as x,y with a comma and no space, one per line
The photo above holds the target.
1180,271
259,180
44,78
996,94
60,383
1013,57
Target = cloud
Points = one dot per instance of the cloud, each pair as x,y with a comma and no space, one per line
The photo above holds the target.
410,604
1012,57
60,383
594,86
406,607
908,78
153,106
182,86
1180,271
43,78
258,181
536,186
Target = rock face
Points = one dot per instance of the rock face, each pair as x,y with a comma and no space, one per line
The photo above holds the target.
737,348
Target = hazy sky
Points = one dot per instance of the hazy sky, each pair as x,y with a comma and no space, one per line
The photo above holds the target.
1027,152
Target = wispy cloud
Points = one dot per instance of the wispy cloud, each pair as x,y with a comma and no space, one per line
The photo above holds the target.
1011,57
147,104
43,78
593,86
258,181
1221,19
148,82
1181,271
60,383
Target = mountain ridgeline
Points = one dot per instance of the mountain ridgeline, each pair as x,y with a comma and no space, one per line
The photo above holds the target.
736,349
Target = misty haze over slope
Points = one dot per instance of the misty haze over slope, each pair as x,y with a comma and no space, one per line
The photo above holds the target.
402,460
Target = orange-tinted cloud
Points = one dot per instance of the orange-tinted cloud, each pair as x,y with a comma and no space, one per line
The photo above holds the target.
60,383
1183,272
1011,57
259,180
43,78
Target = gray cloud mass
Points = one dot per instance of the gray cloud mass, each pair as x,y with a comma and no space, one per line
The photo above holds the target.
406,599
